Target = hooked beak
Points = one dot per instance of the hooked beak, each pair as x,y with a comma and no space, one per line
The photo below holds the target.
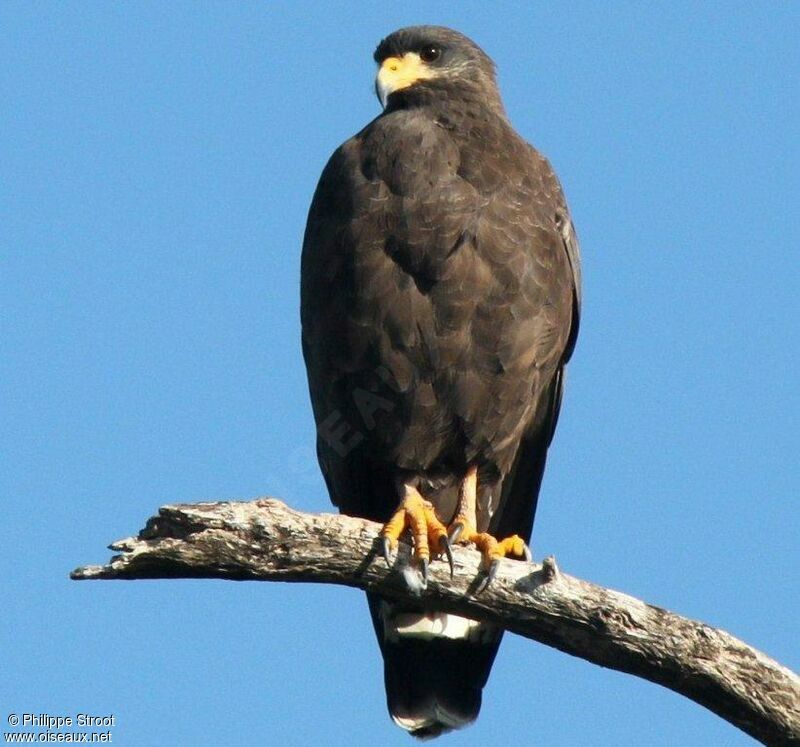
397,73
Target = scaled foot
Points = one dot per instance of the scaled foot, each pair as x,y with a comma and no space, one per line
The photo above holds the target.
417,515
463,530
492,549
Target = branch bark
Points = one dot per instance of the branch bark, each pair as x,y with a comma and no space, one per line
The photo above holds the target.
267,541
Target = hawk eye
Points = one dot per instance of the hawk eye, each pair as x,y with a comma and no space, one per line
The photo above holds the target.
430,53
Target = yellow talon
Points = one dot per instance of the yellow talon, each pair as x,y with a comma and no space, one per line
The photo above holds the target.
417,515
513,546
394,527
491,548
463,530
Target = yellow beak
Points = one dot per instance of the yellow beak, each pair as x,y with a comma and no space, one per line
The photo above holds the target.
397,73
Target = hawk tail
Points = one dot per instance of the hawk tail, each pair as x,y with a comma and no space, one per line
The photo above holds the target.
435,666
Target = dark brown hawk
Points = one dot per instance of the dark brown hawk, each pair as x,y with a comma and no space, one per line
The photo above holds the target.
440,304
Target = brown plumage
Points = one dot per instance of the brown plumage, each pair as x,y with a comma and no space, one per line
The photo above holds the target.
440,302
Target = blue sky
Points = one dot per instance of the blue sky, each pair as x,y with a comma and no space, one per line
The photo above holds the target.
157,163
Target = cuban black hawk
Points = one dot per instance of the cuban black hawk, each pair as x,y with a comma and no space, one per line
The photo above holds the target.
440,303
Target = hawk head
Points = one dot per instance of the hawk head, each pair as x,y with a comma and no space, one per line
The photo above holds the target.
425,62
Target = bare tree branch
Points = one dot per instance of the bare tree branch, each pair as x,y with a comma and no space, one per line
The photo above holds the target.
265,540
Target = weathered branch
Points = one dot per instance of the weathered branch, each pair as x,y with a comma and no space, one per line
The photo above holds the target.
265,540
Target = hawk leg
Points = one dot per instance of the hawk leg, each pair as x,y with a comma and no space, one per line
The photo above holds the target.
418,516
464,530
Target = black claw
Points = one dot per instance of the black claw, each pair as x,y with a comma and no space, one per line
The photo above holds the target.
424,571
526,551
386,546
456,531
444,546
491,574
